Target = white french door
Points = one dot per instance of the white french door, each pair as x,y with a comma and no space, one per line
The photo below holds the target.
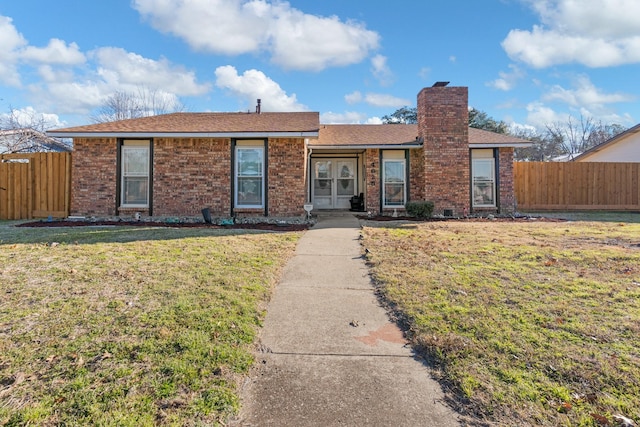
334,183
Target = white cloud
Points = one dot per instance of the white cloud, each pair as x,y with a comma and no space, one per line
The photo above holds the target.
595,33
253,85
70,97
381,70
220,26
56,52
125,70
348,117
376,99
585,94
383,100
10,42
28,116
353,97
424,72
108,70
294,39
539,115
507,81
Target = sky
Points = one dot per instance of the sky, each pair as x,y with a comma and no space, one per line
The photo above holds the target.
527,62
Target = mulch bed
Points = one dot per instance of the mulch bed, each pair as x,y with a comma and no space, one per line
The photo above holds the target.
258,226
267,226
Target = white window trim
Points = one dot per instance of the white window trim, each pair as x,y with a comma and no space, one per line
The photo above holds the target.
236,176
124,148
404,182
492,162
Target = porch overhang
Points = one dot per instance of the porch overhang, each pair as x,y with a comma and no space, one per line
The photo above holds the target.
363,147
502,145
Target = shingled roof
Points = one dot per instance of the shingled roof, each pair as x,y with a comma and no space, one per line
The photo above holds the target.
202,125
479,138
301,124
401,136
339,136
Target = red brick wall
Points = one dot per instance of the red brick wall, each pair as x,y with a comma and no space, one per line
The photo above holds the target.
372,171
286,176
190,174
416,178
93,177
443,123
507,189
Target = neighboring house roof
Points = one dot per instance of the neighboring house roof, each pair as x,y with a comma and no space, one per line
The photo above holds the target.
624,147
26,140
400,136
202,125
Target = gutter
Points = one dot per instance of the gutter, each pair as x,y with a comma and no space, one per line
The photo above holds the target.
500,145
63,134
365,146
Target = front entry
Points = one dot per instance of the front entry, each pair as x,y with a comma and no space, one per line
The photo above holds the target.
334,182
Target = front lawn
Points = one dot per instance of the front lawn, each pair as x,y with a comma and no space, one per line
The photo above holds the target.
529,323
130,326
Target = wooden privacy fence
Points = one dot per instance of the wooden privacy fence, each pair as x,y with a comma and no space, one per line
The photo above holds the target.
35,185
577,186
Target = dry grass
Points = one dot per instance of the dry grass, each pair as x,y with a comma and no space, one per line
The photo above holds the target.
532,323
130,326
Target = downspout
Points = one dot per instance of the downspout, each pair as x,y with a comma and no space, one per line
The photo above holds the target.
307,175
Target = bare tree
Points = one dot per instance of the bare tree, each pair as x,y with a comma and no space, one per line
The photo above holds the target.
24,131
577,136
566,139
145,102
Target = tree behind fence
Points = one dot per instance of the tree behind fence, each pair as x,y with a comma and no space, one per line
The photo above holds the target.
577,186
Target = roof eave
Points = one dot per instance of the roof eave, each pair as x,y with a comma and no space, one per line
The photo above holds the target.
499,145
364,146
302,134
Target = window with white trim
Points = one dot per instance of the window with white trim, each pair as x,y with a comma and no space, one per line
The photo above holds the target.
483,178
134,179
394,189
249,174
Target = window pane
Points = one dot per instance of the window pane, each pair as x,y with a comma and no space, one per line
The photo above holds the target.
346,187
346,169
250,162
483,182
135,190
483,193
323,170
394,171
322,187
135,161
249,191
483,169
394,182
249,176
394,194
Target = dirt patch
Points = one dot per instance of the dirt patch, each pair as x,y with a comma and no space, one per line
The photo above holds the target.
257,226
382,218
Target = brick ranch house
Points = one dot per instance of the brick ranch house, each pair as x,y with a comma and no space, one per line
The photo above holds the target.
272,164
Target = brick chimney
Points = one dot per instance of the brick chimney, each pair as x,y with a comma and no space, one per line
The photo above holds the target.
443,124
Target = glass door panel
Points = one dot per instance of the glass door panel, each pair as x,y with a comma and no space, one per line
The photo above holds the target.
323,184
334,183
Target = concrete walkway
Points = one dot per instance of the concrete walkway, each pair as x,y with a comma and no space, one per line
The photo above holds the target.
329,354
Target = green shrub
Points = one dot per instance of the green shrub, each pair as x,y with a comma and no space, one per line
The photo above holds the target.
419,209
